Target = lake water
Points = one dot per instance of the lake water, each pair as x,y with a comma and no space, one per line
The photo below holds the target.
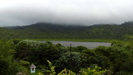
87,44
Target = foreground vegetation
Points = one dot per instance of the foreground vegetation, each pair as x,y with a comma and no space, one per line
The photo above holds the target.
17,55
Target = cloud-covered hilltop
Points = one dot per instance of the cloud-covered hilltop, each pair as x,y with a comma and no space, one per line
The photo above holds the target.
84,12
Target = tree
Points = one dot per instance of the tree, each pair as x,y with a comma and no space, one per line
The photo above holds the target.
8,66
89,57
80,48
4,67
70,60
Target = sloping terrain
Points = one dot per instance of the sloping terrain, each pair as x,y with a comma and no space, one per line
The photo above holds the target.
58,31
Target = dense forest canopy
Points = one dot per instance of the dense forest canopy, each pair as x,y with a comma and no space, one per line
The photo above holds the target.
17,55
58,31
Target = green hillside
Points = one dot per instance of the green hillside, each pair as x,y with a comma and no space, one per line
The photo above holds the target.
58,31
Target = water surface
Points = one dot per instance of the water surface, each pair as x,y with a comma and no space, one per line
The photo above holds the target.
87,44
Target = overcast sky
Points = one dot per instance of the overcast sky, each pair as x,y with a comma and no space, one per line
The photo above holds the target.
86,12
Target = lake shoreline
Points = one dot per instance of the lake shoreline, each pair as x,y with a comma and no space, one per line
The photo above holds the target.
79,40
90,45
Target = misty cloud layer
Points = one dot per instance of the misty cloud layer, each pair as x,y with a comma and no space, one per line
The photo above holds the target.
86,12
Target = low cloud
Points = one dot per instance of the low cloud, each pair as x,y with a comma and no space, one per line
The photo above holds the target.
64,12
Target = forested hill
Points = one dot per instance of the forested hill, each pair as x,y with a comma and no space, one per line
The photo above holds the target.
58,31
